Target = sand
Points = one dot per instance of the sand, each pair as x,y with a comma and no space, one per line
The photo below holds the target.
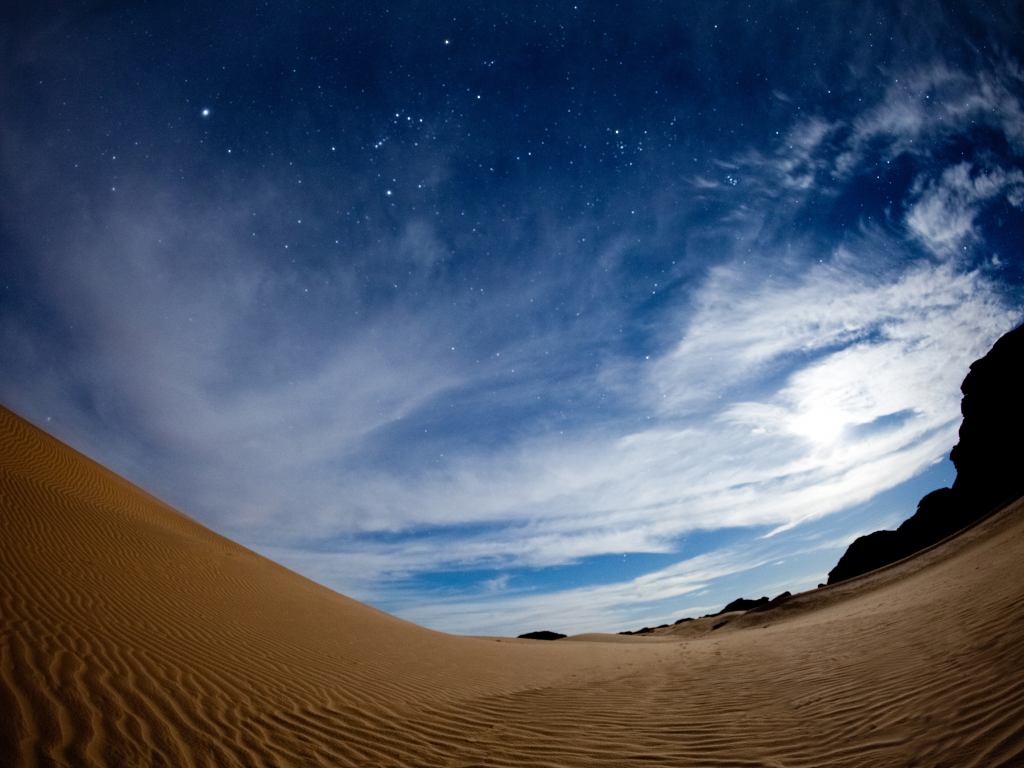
131,635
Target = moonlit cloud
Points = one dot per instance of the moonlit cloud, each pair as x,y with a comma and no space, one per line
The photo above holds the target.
943,216
660,596
930,103
870,401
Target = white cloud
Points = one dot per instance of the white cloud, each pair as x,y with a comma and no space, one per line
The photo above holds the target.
691,587
870,399
943,216
798,162
922,106
595,608
599,608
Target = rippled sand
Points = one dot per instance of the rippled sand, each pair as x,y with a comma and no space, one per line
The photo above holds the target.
132,636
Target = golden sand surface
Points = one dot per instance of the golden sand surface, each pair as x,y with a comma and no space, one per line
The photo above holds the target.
130,635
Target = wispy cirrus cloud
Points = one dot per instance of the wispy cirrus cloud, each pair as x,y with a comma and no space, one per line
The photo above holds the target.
505,605
928,103
942,217
869,399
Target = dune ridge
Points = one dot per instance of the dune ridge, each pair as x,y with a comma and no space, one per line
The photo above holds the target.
131,635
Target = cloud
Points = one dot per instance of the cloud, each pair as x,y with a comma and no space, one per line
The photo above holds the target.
795,388
943,215
920,110
700,584
799,161
869,399
928,103
502,608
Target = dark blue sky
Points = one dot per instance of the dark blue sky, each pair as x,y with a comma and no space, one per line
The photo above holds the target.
513,316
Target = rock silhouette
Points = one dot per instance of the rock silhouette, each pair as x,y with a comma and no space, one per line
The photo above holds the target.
544,635
742,604
775,602
987,460
988,456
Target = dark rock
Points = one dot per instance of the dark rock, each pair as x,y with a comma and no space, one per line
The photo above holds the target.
646,630
719,624
988,456
773,603
987,459
681,621
742,604
866,554
939,514
545,635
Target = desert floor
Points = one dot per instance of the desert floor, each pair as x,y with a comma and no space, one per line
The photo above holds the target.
132,636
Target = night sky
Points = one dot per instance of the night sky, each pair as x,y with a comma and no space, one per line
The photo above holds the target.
514,316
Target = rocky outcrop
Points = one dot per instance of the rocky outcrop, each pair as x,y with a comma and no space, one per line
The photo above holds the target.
989,454
647,630
742,604
938,516
545,635
775,602
754,606
988,462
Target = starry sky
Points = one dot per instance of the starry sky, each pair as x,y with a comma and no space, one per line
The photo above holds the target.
512,316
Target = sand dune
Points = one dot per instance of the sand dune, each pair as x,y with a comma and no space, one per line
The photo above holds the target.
133,636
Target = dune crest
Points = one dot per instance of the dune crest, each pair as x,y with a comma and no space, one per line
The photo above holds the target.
131,635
